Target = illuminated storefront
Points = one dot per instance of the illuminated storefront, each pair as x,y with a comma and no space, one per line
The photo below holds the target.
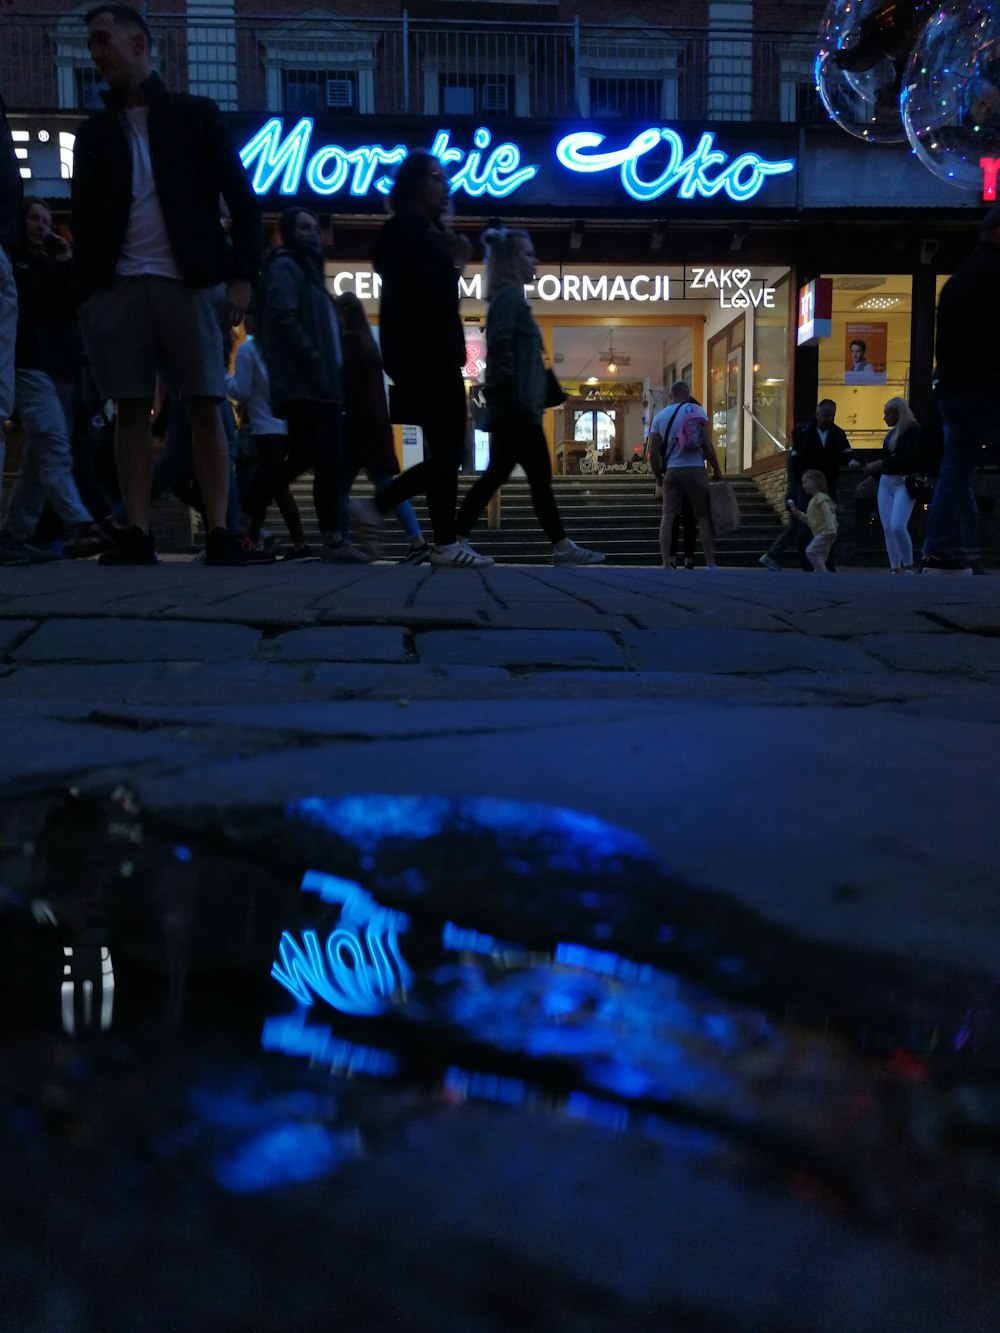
665,253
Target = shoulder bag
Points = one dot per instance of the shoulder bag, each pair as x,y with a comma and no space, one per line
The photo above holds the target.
555,394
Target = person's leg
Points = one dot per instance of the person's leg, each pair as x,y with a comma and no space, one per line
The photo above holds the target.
327,453
533,454
444,445
675,538
233,449
886,499
690,526
270,451
280,470
44,413
404,510
671,513
502,459
902,508
134,458
8,338
962,442
210,450
694,484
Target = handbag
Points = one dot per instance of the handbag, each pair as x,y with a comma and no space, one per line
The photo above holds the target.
724,508
555,394
918,487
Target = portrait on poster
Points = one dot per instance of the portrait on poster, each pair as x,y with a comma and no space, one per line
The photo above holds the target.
864,353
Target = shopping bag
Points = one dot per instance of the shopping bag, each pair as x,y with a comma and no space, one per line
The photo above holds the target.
723,507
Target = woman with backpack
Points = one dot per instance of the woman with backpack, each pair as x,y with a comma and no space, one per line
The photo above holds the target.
680,446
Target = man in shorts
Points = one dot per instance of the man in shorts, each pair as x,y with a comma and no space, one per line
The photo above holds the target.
157,279
682,470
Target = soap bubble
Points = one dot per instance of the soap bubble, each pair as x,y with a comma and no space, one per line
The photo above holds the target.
861,51
951,92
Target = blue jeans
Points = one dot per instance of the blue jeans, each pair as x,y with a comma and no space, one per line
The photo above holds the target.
46,408
969,420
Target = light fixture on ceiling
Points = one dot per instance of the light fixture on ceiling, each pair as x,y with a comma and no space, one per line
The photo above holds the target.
612,366
880,301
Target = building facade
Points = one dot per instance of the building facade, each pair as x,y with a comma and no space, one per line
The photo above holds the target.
673,163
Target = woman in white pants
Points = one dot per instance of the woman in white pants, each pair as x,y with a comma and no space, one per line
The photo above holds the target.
900,458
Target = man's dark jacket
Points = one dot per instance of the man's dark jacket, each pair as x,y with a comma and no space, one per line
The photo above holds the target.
194,161
10,187
809,451
301,349
47,334
968,347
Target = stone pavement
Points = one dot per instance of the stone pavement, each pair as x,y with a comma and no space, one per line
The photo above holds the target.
813,760
737,721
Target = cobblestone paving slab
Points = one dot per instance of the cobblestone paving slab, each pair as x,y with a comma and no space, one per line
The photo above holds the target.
12,631
206,682
42,750
967,653
114,640
348,643
504,647
741,651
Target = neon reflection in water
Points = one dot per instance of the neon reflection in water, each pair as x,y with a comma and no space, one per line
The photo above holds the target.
360,969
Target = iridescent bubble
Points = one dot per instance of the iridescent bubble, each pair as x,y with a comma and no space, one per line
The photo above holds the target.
862,48
951,93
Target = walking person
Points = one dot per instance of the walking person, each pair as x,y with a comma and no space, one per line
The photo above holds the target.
152,265
419,259
818,444
680,446
368,443
250,388
301,341
968,395
821,517
514,388
47,359
900,457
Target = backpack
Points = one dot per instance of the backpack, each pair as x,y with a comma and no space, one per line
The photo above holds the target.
691,435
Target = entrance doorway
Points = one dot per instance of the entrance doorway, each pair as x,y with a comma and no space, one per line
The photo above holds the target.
725,361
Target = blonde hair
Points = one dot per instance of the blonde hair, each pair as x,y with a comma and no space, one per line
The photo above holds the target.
814,474
503,248
906,420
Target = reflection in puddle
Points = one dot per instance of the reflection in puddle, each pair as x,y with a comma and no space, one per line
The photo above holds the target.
291,967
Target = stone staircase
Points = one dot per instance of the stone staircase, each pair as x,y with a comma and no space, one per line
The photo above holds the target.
614,514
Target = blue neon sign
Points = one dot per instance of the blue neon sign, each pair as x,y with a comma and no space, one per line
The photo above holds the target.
741,179
288,161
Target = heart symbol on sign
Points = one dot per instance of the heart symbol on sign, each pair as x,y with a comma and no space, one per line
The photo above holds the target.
741,276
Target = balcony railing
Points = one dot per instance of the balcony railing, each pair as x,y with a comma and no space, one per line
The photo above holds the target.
404,66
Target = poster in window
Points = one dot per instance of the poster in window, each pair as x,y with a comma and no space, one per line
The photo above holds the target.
864,353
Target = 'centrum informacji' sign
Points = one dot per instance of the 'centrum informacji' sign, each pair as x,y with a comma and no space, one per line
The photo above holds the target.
651,164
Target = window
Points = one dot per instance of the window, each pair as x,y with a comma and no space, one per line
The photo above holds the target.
88,85
314,92
469,95
634,99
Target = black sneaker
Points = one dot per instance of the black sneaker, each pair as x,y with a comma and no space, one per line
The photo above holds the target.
222,548
946,564
132,547
417,555
301,553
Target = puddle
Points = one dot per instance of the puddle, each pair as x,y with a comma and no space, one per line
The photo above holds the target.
242,1006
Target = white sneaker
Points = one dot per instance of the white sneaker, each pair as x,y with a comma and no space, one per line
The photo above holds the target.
459,558
578,555
344,554
466,546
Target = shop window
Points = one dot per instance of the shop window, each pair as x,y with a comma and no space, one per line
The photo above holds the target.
769,403
866,359
725,381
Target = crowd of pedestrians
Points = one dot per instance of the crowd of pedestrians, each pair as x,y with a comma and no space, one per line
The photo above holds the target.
166,260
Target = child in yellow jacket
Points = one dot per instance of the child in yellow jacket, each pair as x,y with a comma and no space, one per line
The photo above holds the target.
821,516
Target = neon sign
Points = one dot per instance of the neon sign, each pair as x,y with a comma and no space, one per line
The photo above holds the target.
990,166
287,160
741,179
331,168
731,284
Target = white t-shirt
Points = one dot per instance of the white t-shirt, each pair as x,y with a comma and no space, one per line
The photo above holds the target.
672,415
147,249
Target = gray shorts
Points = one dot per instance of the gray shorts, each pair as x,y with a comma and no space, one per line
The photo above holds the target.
143,324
